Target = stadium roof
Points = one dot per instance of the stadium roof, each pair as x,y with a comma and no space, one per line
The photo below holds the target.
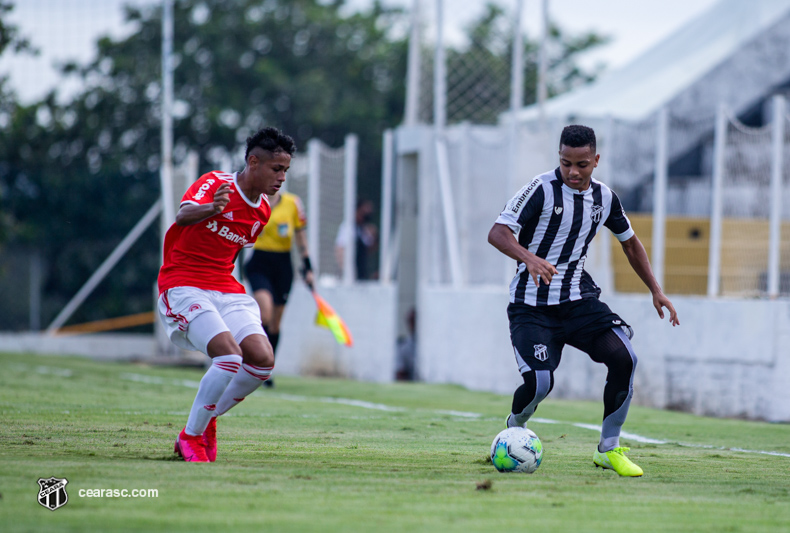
651,80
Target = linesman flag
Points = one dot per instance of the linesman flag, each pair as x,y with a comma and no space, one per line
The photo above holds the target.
327,318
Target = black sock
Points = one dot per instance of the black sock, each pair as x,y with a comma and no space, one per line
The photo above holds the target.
525,393
274,338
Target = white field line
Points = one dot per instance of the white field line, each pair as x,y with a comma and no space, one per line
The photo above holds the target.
463,414
648,440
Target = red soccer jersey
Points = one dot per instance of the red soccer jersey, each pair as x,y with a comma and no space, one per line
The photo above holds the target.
201,255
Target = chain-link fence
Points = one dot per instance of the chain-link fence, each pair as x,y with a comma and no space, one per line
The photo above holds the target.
709,229
477,58
729,239
745,209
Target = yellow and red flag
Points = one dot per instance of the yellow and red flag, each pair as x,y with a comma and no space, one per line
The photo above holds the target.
326,317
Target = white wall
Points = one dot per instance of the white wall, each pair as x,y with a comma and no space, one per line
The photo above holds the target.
368,309
728,358
305,349
112,346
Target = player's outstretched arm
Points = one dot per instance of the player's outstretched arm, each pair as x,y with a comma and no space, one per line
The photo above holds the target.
189,214
637,257
501,237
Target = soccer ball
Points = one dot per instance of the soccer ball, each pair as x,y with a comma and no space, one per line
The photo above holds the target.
516,450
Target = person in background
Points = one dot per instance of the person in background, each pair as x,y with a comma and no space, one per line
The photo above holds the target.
365,237
406,356
270,271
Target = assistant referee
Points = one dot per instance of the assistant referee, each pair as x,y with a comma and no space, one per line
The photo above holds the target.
270,271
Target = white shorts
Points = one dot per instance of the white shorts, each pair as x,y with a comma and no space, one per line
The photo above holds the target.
192,316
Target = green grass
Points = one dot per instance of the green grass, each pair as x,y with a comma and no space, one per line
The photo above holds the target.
292,460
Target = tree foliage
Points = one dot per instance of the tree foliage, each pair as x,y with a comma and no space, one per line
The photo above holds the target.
478,71
75,176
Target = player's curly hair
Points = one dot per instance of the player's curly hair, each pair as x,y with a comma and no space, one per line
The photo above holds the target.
272,140
576,136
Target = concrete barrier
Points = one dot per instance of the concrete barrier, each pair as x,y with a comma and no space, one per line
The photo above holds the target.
368,309
100,346
728,358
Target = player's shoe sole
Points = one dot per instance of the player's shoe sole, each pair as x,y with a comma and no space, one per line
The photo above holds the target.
617,461
210,440
192,449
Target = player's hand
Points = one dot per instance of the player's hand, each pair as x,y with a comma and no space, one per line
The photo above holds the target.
309,278
540,269
307,272
659,302
222,197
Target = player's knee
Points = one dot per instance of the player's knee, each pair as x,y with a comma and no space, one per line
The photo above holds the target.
621,364
257,350
266,316
537,384
621,358
223,344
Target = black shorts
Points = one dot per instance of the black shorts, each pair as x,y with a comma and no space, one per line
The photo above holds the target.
538,334
271,271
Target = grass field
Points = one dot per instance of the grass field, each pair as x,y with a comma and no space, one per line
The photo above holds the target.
334,455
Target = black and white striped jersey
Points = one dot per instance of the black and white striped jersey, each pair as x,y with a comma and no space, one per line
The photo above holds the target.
557,224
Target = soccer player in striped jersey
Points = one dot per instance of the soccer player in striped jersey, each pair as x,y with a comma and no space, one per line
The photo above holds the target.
201,304
547,227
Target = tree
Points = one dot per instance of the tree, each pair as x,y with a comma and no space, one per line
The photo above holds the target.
76,176
10,40
478,71
81,174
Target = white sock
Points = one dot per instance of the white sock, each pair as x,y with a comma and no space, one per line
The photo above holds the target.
213,384
242,385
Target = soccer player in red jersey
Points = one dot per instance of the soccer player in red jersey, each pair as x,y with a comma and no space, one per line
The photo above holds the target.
201,304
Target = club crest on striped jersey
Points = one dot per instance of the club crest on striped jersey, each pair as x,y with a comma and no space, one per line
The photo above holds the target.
596,213
541,352
558,210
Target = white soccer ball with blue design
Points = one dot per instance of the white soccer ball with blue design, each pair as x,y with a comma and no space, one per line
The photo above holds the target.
516,450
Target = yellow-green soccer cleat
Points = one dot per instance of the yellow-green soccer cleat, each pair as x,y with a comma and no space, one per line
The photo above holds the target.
617,461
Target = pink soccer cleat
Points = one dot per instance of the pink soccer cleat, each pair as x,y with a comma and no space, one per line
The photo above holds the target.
210,439
191,448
